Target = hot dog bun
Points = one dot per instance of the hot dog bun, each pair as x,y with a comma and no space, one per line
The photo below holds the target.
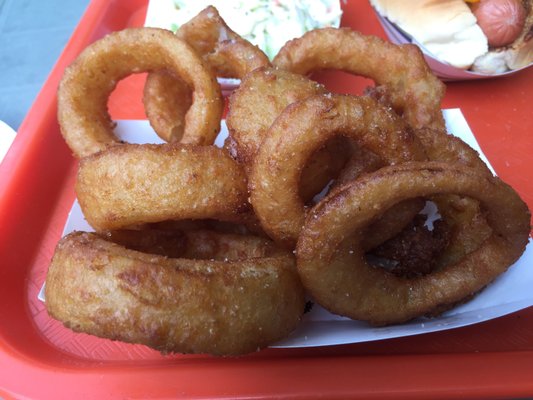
447,29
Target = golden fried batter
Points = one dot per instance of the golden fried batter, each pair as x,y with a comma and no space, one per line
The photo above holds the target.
301,129
87,83
414,91
173,305
167,100
334,269
136,184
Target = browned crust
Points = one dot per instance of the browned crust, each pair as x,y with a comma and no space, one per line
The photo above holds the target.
136,184
334,270
414,91
87,83
173,305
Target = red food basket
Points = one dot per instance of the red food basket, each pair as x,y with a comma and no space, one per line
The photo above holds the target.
41,359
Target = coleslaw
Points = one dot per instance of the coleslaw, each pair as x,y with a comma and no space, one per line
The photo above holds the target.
268,24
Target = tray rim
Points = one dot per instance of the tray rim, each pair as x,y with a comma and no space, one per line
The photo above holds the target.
466,378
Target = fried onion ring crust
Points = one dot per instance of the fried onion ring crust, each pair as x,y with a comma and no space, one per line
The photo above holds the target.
223,50
466,222
87,83
230,55
173,305
271,88
392,222
166,100
337,275
135,184
203,244
274,90
301,129
414,92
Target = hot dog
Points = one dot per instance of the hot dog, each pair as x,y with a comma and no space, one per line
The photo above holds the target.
501,21
486,36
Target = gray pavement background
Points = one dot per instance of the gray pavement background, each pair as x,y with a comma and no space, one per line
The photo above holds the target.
33,34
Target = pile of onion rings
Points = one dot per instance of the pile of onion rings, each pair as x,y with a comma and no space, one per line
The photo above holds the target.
199,249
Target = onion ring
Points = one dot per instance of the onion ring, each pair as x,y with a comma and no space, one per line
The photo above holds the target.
244,224
271,88
173,304
468,226
136,184
274,90
414,91
227,53
166,100
202,244
299,131
393,221
463,217
87,83
323,166
340,279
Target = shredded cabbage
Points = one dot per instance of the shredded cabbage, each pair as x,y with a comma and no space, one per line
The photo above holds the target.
265,23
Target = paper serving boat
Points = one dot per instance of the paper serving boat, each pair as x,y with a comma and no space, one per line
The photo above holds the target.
508,293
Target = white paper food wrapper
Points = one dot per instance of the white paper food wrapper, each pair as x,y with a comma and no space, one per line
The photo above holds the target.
508,293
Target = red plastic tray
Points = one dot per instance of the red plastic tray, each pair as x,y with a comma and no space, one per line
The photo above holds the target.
489,360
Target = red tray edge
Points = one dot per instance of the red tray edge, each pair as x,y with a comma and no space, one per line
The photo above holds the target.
517,384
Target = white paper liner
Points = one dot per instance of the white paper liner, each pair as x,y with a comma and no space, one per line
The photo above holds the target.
508,293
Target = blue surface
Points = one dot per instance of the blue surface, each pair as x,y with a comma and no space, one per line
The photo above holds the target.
33,34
